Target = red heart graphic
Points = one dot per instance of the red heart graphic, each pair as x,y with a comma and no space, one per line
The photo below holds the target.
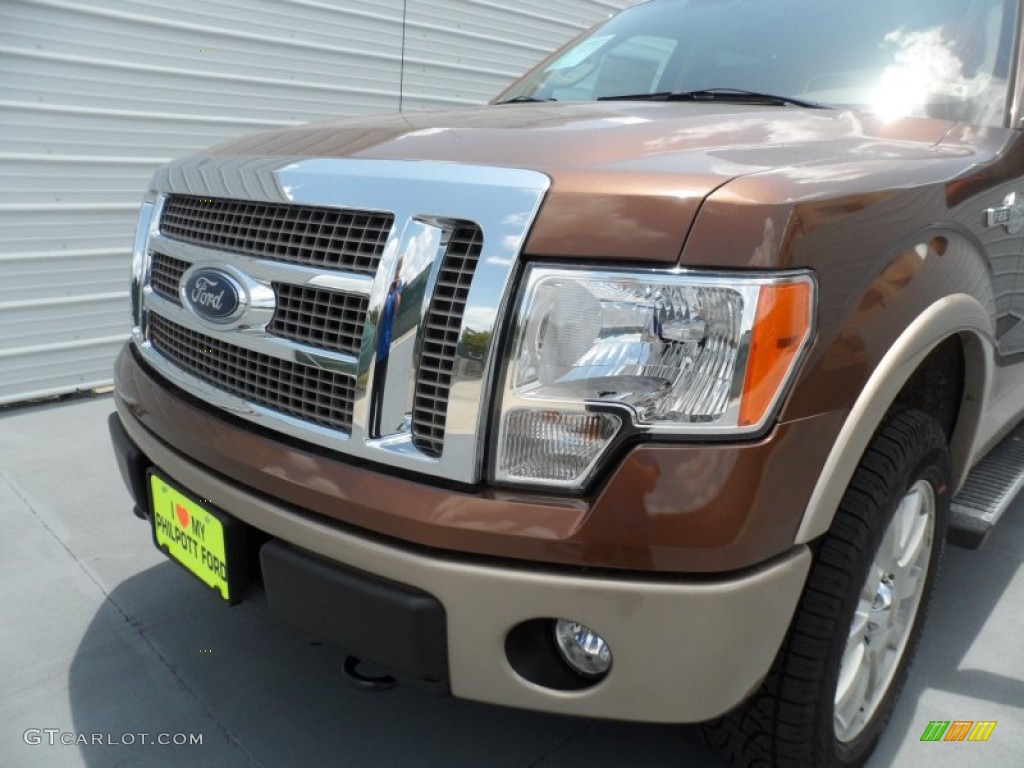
182,515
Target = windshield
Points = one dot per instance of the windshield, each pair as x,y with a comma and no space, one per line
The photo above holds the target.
927,58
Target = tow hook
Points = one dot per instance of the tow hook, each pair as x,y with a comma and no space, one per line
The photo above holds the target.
364,682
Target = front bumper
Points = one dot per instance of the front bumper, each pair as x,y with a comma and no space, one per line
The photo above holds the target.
684,650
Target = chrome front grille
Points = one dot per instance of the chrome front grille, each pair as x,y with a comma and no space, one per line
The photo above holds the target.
303,391
440,335
325,319
299,234
364,296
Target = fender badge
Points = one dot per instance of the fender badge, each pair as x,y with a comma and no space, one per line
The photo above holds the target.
1010,215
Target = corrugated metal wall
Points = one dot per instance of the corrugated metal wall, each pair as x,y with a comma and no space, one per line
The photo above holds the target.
95,95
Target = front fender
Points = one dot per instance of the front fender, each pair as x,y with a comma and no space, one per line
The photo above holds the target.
898,273
959,314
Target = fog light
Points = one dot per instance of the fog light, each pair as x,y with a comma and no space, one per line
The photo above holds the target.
582,648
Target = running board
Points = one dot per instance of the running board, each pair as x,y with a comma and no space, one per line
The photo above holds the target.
990,489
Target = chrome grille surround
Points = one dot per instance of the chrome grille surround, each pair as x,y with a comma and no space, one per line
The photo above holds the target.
499,203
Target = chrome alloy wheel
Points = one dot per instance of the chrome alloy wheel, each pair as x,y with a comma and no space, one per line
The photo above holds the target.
885,613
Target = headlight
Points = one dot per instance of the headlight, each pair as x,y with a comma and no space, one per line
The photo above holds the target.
678,353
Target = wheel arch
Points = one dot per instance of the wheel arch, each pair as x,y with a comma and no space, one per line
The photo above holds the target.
956,320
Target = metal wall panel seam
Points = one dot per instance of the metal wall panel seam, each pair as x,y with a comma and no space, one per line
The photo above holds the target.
84,254
452,67
87,207
137,67
547,19
103,112
84,159
61,345
226,31
226,9
335,8
62,301
511,43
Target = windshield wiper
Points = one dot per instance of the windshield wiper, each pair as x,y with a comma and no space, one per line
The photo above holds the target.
730,95
522,100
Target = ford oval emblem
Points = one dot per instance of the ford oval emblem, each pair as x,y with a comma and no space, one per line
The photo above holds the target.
213,294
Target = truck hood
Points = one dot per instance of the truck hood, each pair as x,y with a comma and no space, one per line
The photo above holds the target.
627,178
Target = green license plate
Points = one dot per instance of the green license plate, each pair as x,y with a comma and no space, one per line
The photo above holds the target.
191,534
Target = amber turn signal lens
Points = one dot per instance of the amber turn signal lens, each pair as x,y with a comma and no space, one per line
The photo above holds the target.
782,326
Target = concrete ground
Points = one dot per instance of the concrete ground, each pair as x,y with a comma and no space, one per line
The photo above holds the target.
99,634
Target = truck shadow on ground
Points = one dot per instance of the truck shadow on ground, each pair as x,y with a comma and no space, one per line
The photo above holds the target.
164,657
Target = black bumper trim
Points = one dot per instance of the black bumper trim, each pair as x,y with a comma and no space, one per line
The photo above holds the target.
132,463
399,628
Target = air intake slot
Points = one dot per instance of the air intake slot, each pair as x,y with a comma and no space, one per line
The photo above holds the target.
440,337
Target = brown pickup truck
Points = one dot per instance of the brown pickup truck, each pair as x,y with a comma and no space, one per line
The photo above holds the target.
650,391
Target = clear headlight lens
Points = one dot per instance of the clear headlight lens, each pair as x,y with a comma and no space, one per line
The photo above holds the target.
677,352
554,445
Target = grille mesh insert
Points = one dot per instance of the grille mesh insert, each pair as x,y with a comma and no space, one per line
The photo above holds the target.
304,391
321,318
165,276
440,335
300,234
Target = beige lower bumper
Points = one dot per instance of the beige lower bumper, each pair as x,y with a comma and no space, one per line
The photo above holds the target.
683,652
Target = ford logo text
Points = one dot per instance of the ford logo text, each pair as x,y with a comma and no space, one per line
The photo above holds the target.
213,295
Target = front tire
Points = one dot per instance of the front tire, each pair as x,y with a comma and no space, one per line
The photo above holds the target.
838,675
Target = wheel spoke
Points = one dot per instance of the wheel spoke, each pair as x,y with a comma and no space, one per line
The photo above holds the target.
889,547
871,584
908,581
859,627
851,695
878,658
915,541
